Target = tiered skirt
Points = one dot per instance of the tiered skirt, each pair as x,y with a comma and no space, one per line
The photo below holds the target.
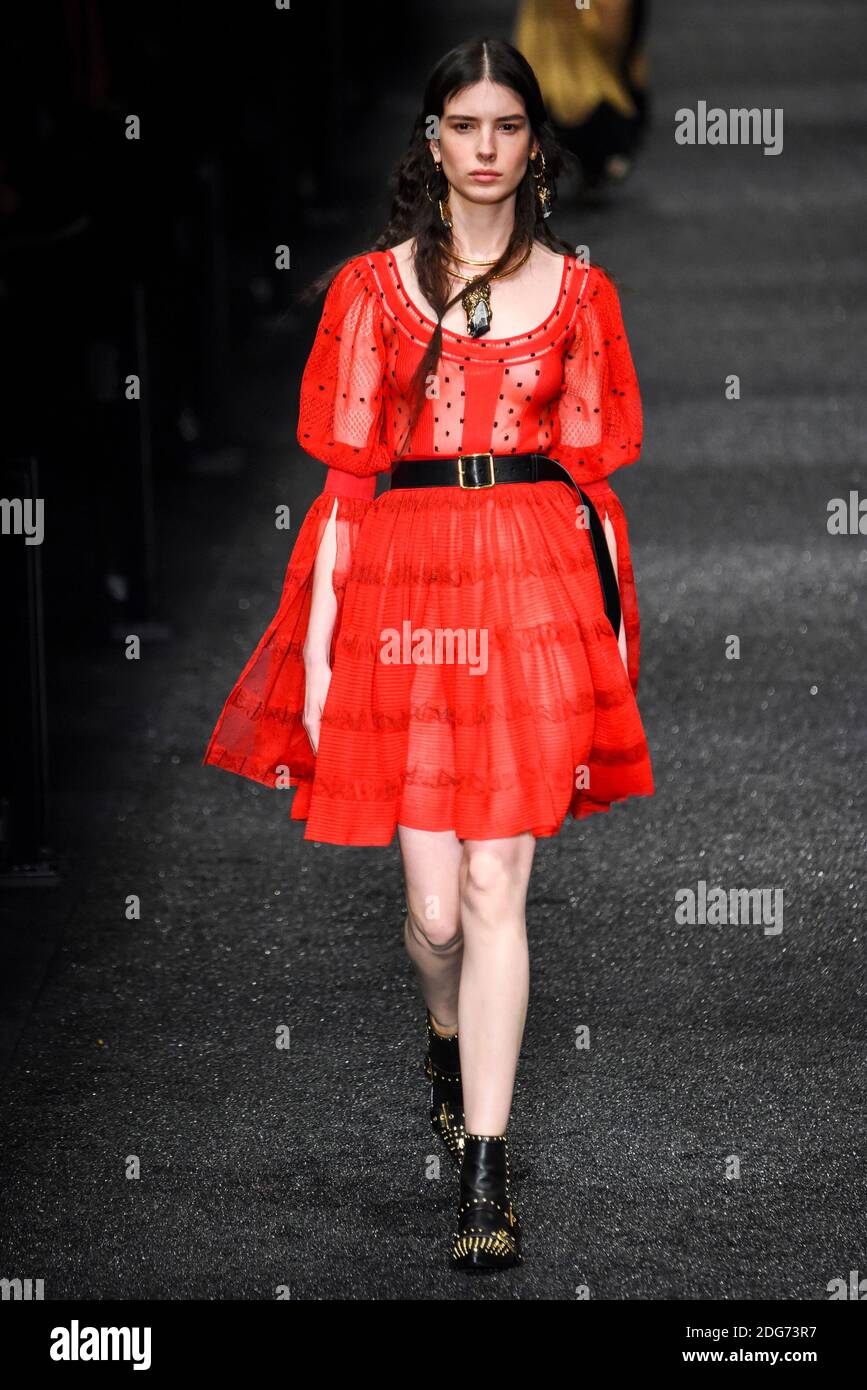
477,685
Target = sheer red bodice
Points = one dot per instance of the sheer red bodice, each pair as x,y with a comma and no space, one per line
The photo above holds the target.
567,389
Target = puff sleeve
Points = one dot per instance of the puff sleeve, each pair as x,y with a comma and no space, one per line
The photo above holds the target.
599,414
341,415
600,423
259,733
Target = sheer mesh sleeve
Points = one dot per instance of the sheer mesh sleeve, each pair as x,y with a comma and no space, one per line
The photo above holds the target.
341,416
600,416
600,420
260,732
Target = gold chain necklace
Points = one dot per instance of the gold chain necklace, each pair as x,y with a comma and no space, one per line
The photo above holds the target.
465,260
477,302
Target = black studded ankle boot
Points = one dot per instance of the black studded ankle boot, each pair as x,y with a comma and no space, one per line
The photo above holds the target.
488,1234
443,1067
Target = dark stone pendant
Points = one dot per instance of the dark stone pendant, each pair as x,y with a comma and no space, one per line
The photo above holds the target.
477,304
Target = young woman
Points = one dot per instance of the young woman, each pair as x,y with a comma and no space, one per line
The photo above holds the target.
456,659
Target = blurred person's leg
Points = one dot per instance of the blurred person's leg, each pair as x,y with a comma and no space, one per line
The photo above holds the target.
592,68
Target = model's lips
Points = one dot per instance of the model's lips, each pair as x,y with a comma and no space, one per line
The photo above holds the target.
484,174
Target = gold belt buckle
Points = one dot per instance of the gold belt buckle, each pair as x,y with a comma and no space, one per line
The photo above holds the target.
475,487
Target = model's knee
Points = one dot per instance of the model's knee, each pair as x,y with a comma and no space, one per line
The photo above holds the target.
437,934
488,872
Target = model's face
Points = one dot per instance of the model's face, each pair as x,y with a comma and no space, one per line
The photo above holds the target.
484,127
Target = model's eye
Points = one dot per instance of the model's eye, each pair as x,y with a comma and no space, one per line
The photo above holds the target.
504,125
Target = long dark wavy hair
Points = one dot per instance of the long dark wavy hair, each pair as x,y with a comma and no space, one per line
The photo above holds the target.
416,187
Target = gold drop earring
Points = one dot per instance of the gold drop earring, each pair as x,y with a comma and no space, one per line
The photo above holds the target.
443,202
543,192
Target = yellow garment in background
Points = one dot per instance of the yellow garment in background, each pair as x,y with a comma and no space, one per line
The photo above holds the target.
576,55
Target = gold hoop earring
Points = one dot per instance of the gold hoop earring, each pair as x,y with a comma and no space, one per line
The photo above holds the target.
441,201
543,192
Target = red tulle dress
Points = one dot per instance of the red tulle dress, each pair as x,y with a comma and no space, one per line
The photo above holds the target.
527,712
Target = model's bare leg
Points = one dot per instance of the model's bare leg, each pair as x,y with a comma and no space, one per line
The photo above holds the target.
432,930
495,975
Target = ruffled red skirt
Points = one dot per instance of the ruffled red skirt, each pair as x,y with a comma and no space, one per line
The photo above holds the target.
477,685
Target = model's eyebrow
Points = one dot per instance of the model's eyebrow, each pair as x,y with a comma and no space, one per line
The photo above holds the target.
517,117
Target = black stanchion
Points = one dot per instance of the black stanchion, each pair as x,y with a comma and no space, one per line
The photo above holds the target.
25,854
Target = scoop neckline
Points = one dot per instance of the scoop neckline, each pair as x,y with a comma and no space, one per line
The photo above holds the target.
484,339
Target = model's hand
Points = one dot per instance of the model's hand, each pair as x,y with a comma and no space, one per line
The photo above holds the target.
317,680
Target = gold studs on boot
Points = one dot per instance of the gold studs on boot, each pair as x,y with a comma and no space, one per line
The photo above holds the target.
443,1068
489,1233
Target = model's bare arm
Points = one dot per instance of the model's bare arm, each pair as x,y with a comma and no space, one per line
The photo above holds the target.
320,627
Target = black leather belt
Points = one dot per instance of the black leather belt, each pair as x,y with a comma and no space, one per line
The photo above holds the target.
476,471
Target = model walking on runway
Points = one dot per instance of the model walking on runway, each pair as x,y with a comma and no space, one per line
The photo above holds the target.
456,660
